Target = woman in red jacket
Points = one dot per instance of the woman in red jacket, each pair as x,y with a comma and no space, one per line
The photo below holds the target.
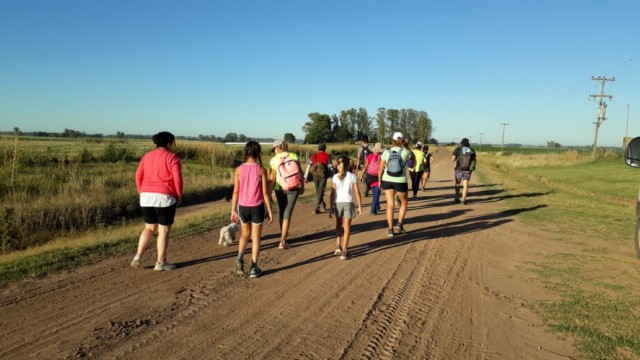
159,182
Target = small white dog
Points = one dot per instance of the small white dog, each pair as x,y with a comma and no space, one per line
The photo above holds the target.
228,234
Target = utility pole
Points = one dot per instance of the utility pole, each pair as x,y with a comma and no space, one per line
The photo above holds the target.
602,108
504,125
481,140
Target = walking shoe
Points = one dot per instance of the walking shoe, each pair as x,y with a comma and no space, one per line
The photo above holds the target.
345,256
316,211
390,233
163,267
399,229
456,200
337,251
464,201
239,270
135,263
415,196
255,271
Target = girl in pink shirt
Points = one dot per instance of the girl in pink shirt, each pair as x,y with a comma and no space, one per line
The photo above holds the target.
250,206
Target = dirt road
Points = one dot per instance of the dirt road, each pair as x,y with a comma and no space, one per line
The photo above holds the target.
451,288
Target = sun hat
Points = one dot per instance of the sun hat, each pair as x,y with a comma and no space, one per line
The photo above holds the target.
377,148
397,135
276,143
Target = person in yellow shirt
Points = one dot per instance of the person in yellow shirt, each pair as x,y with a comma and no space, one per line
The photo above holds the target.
286,198
418,169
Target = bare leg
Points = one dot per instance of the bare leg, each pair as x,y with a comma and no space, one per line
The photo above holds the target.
163,242
256,234
339,233
346,223
403,207
145,237
244,237
390,195
457,189
465,189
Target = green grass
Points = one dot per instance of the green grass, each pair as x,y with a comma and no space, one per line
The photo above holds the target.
39,263
589,209
93,246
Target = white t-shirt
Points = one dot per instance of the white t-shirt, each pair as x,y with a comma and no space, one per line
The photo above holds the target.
148,199
344,187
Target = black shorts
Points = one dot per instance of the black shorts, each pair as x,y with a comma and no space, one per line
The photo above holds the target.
159,215
399,187
253,214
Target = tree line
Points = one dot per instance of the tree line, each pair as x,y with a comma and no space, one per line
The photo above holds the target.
353,124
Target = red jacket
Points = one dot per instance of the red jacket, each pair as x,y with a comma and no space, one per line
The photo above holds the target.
160,171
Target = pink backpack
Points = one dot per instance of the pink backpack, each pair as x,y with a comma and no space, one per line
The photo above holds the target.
374,165
289,174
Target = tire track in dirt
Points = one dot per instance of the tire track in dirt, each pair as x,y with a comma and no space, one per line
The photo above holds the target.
420,295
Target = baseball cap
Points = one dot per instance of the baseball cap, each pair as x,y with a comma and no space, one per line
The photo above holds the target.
418,144
276,143
397,135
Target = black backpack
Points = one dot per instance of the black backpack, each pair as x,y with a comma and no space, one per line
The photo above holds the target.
464,158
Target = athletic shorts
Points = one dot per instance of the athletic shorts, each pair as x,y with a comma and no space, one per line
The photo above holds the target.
399,187
254,214
159,215
286,202
345,210
463,174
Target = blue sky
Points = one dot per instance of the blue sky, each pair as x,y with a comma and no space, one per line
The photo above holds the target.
259,67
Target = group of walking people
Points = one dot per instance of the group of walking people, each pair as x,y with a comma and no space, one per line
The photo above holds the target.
160,185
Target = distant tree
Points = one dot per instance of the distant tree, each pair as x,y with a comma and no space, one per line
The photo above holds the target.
120,135
392,123
242,138
230,137
17,131
317,129
553,144
290,138
424,126
340,130
72,133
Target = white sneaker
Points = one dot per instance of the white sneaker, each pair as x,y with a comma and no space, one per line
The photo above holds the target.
135,263
163,267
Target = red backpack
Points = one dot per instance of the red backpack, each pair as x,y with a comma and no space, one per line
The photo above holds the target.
289,174
374,165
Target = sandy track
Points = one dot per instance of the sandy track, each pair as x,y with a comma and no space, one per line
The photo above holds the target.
448,289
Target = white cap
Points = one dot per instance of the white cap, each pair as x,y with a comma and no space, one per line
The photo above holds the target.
397,135
418,144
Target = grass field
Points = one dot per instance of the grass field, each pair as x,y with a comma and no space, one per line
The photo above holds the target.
589,209
69,202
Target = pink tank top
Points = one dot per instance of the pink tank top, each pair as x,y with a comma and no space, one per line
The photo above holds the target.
250,185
